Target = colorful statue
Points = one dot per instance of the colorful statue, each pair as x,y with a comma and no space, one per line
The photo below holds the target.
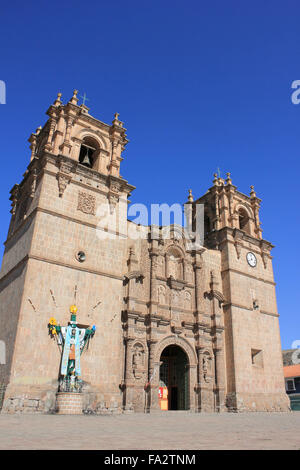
73,339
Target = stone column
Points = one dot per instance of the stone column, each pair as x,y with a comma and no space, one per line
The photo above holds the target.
66,146
167,274
58,138
220,379
152,390
193,388
129,397
184,269
153,284
198,288
48,145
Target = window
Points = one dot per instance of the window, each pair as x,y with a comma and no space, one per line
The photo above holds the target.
244,221
257,357
88,152
290,385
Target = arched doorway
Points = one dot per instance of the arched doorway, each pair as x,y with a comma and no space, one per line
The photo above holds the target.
174,377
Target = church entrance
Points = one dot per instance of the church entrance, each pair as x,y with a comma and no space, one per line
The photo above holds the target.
174,379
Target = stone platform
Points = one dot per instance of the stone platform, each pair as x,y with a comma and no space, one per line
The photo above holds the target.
69,403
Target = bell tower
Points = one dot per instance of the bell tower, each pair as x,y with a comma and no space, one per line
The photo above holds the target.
58,244
254,374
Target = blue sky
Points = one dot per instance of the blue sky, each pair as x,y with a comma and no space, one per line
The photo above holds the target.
199,85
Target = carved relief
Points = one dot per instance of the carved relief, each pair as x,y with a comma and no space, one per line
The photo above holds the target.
138,361
160,266
161,294
238,248
265,258
189,273
64,176
86,203
175,298
175,267
23,207
187,300
207,367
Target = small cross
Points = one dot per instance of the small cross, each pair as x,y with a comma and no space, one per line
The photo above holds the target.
84,98
219,174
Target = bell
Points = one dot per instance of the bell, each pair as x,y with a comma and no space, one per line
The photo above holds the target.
86,160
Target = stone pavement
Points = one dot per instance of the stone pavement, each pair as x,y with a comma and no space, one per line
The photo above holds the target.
169,430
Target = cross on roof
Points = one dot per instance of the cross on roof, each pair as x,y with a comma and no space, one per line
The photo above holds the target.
84,98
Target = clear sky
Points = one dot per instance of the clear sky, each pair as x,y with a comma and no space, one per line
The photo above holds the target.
199,85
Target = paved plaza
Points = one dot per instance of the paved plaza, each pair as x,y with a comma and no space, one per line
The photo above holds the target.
170,430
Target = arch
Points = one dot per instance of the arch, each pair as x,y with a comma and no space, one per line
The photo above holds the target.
245,208
176,341
244,215
86,132
175,250
174,258
174,378
89,151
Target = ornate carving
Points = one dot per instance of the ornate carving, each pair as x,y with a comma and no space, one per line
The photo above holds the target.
176,298
33,183
160,265
207,367
138,361
161,294
238,248
14,198
238,236
176,284
265,257
86,203
189,273
187,300
64,175
63,181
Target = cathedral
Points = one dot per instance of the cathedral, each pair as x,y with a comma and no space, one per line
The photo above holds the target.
179,327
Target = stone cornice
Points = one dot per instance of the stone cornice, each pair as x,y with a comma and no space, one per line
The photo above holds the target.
243,236
242,273
75,168
250,309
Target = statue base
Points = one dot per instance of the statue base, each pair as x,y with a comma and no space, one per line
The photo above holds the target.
69,403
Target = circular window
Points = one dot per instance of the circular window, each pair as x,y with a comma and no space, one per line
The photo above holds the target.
81,257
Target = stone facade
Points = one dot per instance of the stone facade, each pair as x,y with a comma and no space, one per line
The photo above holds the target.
155,293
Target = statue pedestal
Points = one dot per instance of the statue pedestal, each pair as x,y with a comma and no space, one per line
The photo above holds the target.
69,403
